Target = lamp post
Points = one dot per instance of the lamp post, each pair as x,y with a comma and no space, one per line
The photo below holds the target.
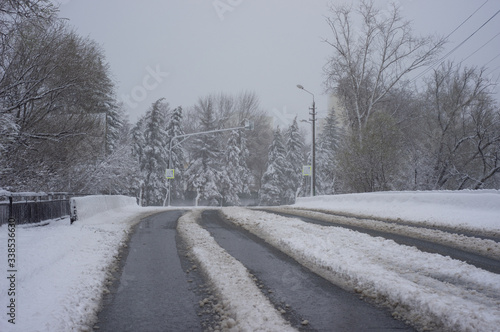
313,120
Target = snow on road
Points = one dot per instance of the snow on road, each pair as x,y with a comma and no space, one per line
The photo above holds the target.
62,269
484,247
429,290
241,297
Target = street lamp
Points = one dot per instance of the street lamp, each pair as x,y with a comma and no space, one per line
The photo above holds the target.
313,120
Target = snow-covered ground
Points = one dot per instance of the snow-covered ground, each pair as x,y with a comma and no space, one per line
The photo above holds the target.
475,209
62,268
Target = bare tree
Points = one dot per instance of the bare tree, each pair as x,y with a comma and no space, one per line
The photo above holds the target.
259,139
55,88
373,51
463,129
13,15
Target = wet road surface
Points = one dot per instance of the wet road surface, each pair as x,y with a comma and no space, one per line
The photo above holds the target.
153,292
300,293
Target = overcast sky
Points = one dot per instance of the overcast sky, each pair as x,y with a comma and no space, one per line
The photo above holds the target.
186,49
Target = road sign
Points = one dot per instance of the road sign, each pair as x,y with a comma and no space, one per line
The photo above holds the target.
169,173
307,170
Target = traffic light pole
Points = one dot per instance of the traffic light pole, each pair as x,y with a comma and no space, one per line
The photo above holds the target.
248,125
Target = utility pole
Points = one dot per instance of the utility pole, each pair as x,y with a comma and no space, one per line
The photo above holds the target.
313,120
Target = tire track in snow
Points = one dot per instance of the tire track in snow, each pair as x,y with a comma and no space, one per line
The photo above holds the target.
482,253
459,229
301,295
245,306
432,291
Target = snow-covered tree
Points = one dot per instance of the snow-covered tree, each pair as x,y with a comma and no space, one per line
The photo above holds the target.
174,128
116,172
367,67
258,140
114,124
274,179
231,181
55,87
138,143
154,161
462,130
327,146
295,161
245,174
203,173
8,132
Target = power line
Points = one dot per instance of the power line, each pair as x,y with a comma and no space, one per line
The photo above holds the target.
441,60
466,19
492,60
498,34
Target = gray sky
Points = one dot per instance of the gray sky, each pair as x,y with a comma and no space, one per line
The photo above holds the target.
186,49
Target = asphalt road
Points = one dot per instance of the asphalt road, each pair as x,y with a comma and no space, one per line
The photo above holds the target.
153,291
300,293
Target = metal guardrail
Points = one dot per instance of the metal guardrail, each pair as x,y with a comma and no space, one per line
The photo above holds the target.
27,208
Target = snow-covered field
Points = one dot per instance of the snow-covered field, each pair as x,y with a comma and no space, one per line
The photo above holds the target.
474,209
62,269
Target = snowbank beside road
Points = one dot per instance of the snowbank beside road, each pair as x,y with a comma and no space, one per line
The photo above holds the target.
238,292
470,208
62,269
89,206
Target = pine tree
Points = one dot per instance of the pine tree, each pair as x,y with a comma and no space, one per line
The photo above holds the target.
154,161
244,171
203,174
231,183
295,159
177,160
325,158
138,139
274,179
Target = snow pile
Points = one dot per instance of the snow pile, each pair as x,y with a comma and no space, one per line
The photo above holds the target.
89,206
62,269
484,247
474,208
430,290
232,281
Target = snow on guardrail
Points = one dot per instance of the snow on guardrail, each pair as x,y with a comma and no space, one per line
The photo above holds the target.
89,206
